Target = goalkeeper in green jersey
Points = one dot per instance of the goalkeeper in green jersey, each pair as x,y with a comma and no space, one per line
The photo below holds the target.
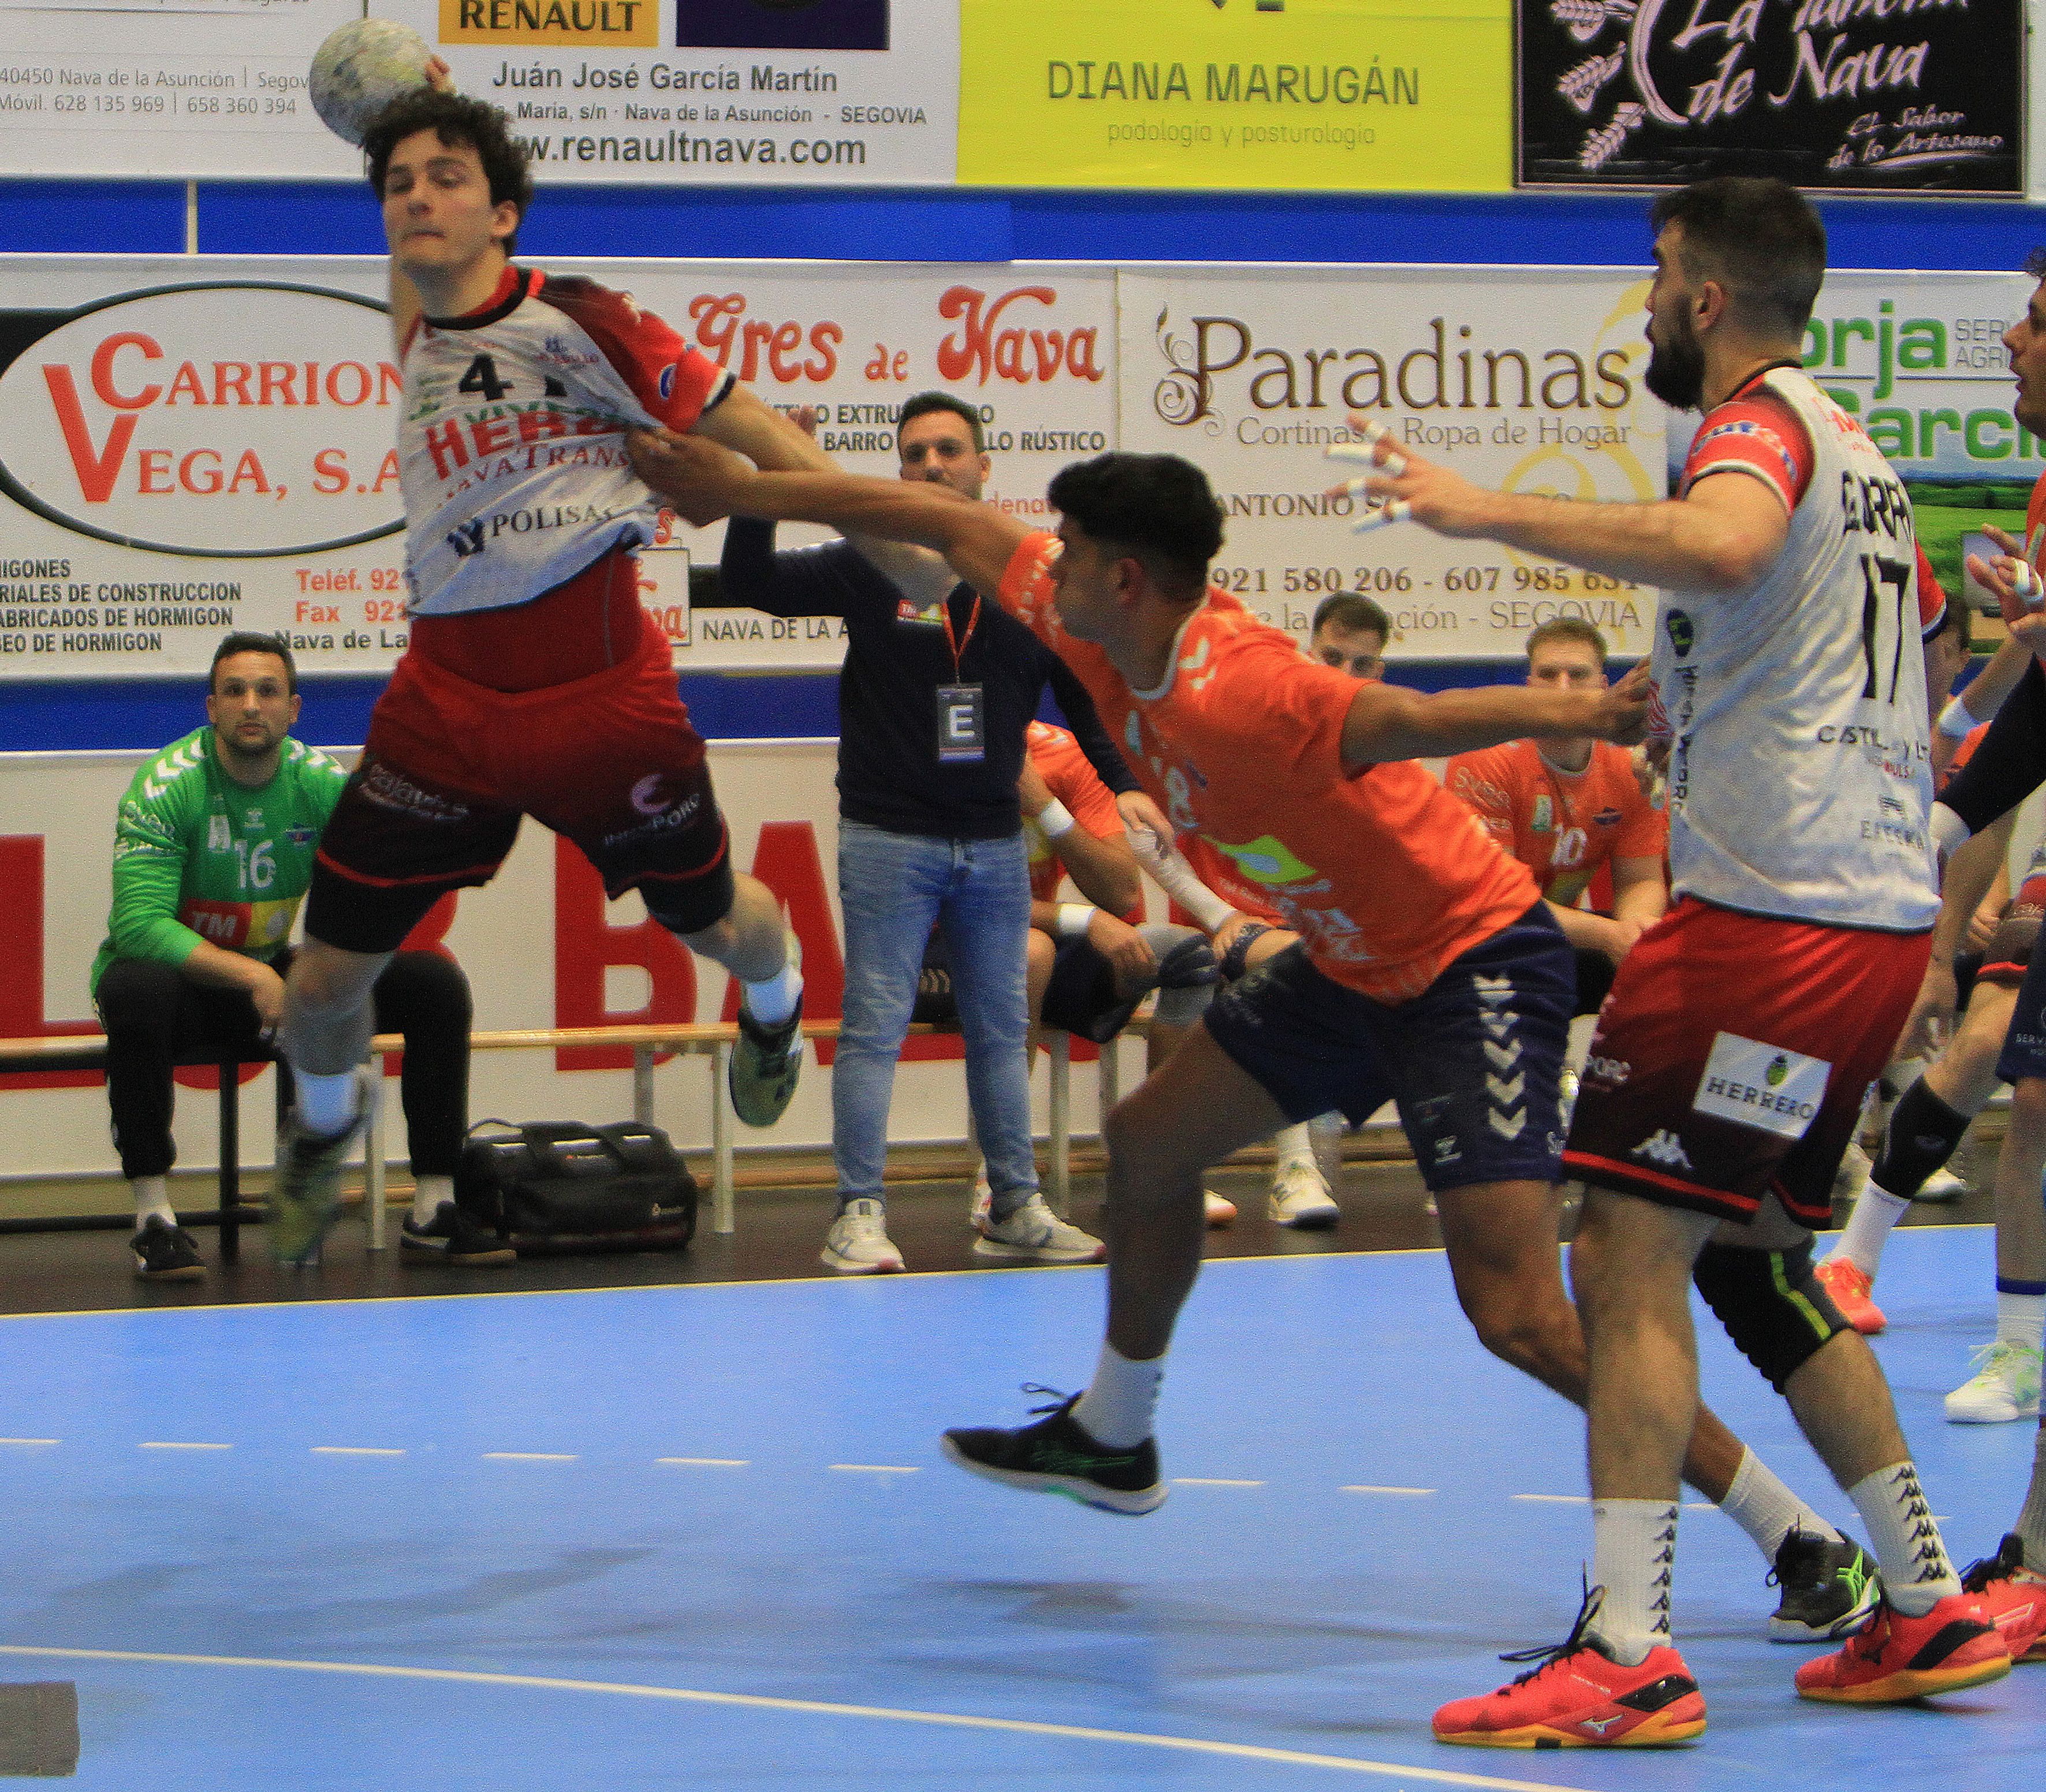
213,849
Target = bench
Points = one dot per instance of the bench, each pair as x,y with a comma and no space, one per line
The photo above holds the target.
713,1039
87,1051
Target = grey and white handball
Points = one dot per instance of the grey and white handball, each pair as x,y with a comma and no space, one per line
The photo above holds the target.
361,68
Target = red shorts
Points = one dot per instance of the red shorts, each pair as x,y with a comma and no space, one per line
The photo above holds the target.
1731,1058
609,760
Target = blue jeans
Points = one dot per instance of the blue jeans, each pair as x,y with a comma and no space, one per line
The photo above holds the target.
892,888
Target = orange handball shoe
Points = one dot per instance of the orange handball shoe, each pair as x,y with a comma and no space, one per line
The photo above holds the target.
1897,1657
1841,1278
1577,1696
2013,1595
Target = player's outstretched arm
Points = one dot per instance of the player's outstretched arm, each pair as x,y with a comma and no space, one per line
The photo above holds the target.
1386,721
1722,536
743,422
976,539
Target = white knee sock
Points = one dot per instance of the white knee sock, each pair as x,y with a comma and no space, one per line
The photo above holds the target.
2021,1319
1916,1572
1767,1510
1120,1401
1868,1228
1633,1549
326,1104
1291,1147
428,1192
772,1000
152,1198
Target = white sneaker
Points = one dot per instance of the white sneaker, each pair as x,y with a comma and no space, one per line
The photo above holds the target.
984,1201
858,1244
1943,1185
1035,1232
1300,1199
1218,1210
2003,1388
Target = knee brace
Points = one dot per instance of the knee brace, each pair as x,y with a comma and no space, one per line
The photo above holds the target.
1922,1134
1771,1304
689,906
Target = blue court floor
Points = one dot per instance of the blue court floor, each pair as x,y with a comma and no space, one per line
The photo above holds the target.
702,1536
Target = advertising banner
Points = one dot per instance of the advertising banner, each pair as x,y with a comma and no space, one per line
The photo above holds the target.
733,92
1919,358
190,445
1845,96
1528,378
730,92
1309,94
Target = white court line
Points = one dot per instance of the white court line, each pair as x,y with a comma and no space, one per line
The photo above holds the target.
1585,1500
869,1468
1194,1481
525,1456
1415,1491
36,1441
184,1446
1014,1726
351,1450
703,1461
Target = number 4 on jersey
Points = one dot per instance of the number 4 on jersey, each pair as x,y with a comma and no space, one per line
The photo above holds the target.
482,377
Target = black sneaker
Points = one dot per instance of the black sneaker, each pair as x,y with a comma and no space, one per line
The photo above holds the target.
1056,1456
165,1253
451,1237
765,1064
1830,1589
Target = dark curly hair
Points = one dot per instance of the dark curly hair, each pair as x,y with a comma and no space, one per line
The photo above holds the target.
457,120
1156,507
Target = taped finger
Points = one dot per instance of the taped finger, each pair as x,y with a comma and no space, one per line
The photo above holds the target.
1398,510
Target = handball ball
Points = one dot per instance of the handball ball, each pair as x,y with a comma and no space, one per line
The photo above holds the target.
362,68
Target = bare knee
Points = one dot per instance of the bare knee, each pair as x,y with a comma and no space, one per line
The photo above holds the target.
1534,1331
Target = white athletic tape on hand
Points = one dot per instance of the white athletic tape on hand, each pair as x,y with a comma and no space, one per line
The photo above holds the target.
1392,466
2025,582
1398,510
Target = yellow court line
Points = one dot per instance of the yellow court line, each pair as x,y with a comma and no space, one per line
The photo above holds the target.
753,1701
870,1468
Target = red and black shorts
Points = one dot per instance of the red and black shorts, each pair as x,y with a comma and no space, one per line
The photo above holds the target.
1730,1060
609,760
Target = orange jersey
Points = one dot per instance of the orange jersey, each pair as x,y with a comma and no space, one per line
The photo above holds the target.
1563,826
1057,759
1385,875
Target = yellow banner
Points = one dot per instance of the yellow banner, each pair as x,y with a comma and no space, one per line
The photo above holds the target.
589,24
1394,95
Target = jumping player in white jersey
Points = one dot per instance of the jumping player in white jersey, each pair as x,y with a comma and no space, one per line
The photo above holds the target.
1742,1030
535,682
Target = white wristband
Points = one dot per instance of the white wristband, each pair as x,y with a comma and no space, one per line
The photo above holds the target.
1948,830
1054,819
1073,918
1956,721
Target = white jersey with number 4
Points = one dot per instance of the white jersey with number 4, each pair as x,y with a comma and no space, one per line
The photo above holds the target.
1800,772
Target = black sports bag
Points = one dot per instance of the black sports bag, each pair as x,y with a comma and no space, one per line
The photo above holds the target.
559,1186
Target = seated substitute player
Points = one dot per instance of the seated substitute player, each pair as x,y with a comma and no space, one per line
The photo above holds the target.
1728,1068
1091,963
1423,949
213,848
534,681
1568,809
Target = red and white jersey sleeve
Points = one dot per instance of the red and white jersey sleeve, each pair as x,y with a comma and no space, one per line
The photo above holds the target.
1931,598
1756,433
512,450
